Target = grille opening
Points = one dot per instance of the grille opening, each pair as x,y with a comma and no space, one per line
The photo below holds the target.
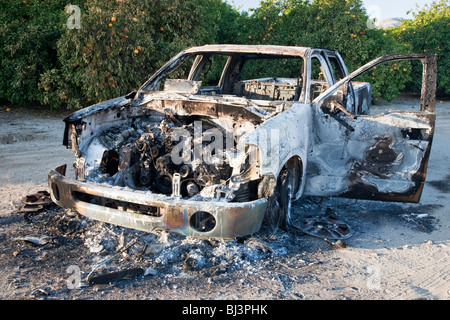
119,205
202,221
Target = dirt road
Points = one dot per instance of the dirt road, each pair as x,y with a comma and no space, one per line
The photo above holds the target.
397,251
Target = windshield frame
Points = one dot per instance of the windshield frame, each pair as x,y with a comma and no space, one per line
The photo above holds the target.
154,82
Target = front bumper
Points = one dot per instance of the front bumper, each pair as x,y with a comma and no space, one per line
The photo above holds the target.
148,211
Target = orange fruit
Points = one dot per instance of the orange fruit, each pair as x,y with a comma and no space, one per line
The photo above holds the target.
113,19
8,109
134,19
136,51
110,25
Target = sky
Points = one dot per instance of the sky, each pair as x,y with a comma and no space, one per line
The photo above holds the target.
383,8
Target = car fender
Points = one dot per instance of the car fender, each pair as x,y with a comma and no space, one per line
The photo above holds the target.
285,136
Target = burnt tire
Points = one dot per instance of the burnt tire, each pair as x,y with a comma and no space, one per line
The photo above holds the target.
279,205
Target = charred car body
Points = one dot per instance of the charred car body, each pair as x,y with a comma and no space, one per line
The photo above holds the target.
225,136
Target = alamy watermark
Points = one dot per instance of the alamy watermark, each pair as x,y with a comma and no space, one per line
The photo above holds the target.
74,280
213,146
374,280
374,13
74,20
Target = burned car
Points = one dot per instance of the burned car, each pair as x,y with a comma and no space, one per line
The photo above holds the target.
224,137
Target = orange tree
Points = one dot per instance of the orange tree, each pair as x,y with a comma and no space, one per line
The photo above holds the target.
29,30
340,25
121,43
429,31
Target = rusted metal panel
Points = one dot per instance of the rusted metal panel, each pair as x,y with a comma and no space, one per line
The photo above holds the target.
233,219
378,160
380,157
257,49
429,78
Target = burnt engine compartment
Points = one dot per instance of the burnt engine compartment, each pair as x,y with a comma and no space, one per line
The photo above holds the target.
160,156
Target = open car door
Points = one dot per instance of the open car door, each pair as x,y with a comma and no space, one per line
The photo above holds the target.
374,157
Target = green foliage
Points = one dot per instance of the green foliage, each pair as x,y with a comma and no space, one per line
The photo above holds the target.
222,21
387,80
334,24
29,30
121,43
339,25
429,31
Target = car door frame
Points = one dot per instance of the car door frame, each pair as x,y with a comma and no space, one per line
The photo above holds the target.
349,182
321,55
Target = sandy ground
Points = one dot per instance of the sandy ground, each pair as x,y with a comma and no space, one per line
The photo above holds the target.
397,251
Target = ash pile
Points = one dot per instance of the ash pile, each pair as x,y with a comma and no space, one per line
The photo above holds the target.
107,254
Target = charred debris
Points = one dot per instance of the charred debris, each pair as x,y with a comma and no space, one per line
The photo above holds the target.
193,154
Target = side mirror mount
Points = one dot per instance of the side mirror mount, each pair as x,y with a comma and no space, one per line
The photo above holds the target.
335,105
348,101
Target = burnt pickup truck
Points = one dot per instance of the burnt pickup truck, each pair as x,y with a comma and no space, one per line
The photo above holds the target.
224,137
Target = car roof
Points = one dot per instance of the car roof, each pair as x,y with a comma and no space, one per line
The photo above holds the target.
261,49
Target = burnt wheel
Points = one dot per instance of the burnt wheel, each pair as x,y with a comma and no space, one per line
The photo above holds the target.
278,214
